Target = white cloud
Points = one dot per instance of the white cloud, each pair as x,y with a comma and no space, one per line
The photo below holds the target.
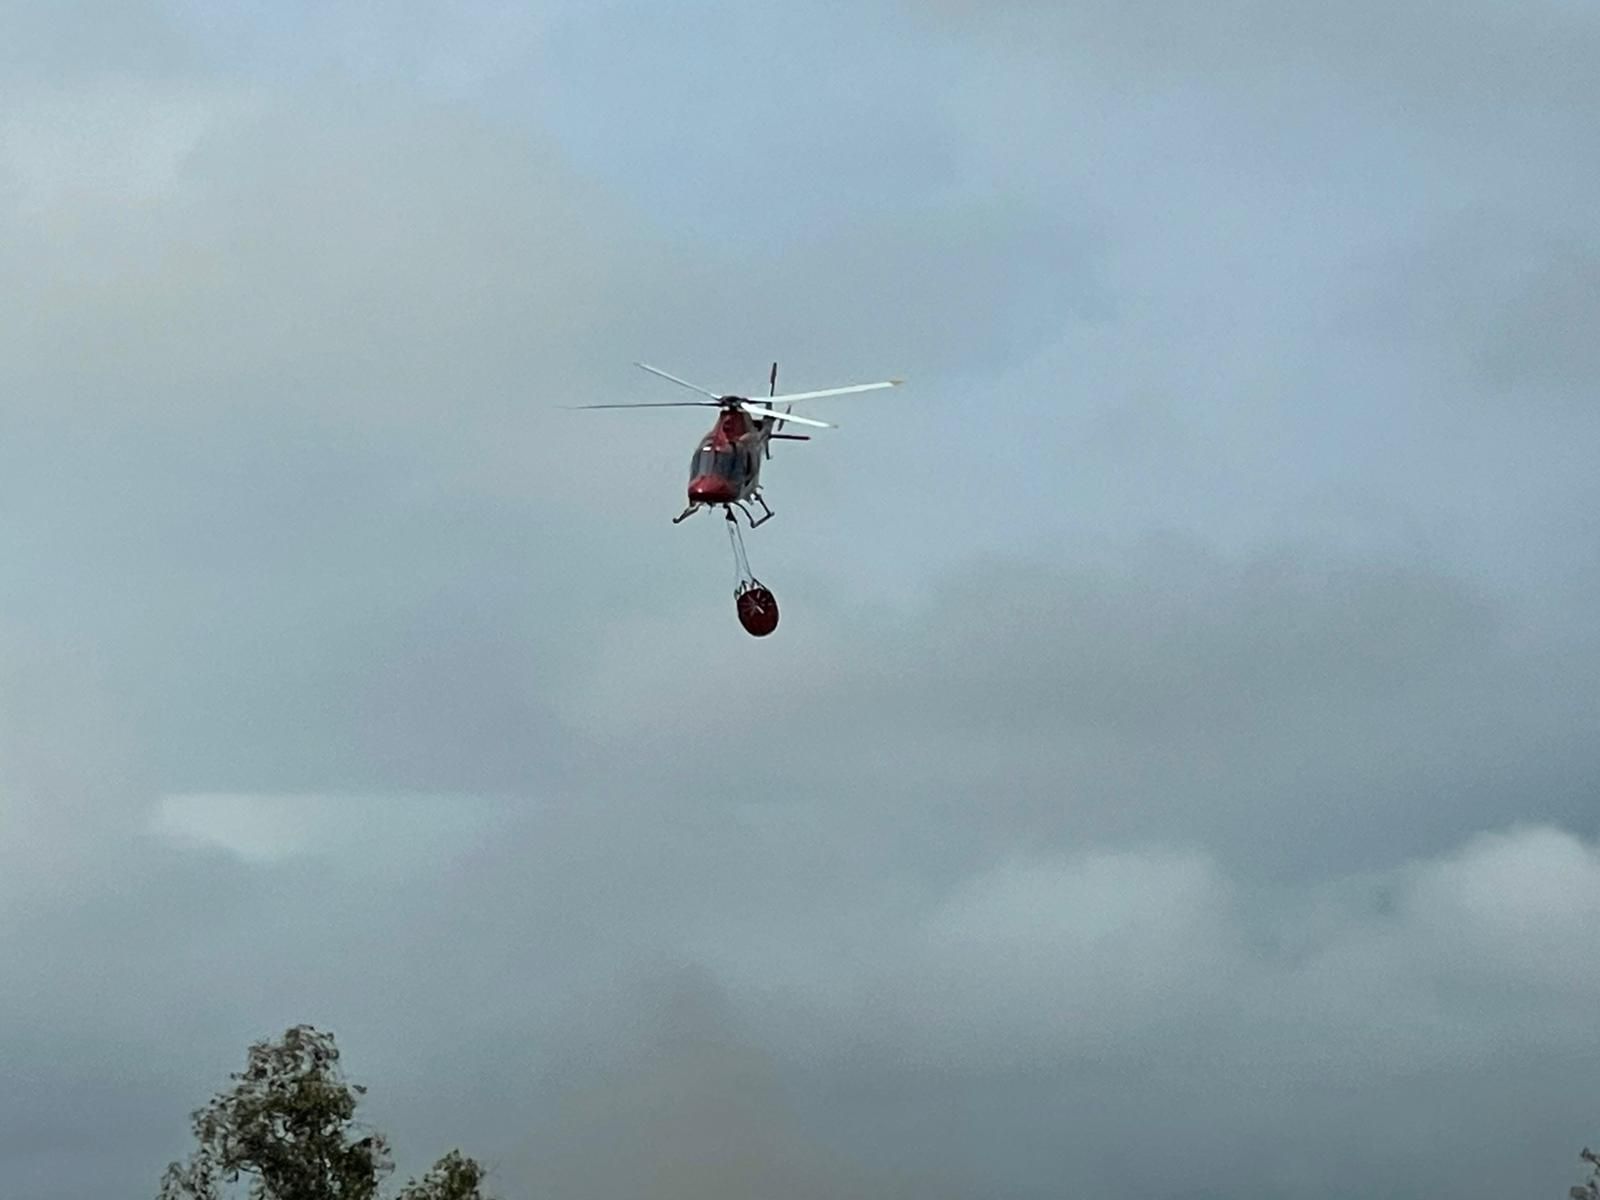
1522,907
391,834
1057,956
1141,953
251,827
106,148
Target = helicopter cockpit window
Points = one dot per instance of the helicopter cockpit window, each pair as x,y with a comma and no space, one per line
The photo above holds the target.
721,463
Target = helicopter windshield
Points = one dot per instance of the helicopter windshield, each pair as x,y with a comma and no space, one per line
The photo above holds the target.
710,461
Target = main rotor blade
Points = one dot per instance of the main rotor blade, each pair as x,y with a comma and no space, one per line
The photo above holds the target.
844,391
693,387
651,404
756,410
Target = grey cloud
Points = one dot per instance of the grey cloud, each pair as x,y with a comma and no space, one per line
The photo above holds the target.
747,998
1185,696
1012,278
349,251
1499,302
1429,60
230,420
1129,994
81,39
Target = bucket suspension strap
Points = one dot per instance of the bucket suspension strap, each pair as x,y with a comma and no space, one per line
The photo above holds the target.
741,563
758,610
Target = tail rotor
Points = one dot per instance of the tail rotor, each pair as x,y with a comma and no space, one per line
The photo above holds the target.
772,390
788,412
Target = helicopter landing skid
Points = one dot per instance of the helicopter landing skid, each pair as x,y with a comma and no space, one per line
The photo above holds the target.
727,511
766,513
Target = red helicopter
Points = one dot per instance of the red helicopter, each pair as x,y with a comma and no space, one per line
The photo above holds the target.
726,470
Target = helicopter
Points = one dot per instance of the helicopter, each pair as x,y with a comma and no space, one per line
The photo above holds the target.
726,468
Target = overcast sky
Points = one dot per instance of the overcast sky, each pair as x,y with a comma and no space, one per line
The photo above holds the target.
1176,773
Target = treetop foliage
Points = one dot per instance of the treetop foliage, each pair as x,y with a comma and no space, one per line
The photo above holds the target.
1591,1189
288,1126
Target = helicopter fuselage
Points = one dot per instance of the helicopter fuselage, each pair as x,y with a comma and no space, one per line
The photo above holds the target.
726,467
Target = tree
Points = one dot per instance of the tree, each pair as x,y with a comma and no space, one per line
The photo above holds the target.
288,1125
1591,1189
453,1177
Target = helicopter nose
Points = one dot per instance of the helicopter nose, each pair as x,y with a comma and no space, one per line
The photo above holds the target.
709,489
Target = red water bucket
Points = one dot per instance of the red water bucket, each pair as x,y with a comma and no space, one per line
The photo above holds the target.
758,609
